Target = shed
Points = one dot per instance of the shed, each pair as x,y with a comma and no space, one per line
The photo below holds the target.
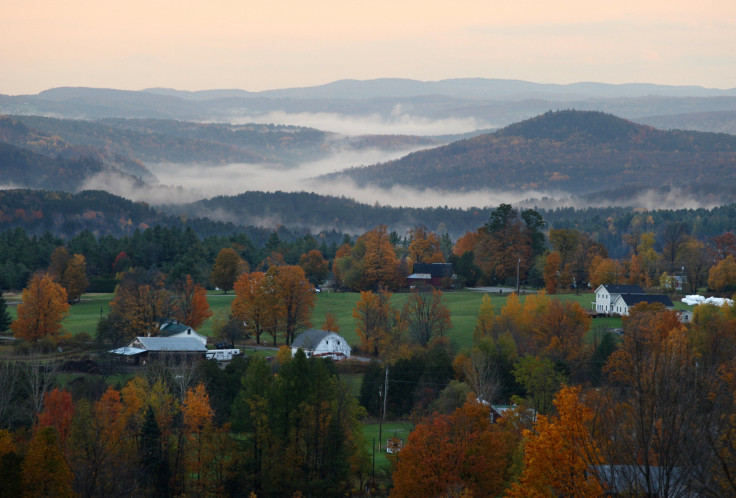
142,349
435,274
321,344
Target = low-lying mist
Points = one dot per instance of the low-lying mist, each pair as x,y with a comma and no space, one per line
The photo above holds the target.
399,122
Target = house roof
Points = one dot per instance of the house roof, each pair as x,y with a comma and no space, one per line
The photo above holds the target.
434,269
171,344
309,339
623,289
632,299
171,327
420,276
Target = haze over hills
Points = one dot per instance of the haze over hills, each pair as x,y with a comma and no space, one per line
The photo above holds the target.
571,152
386,106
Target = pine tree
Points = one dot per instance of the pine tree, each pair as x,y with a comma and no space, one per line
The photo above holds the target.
5,318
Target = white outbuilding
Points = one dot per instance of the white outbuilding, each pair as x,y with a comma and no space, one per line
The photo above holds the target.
321,344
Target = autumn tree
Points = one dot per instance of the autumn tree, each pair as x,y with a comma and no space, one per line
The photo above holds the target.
58,410
560,333
466,243
551,270
424,246
42,310
226,269
192,307
426,316
330,322
725,245
44,470
651,410
485,321
75,277
559,450
674,235
375,321
141,303
723,274
256,303
452,454
540,381
205,456
370,264
295,297
315,266
605,271
70,271
504,246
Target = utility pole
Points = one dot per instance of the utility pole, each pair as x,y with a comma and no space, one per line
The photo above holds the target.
518,264
384,395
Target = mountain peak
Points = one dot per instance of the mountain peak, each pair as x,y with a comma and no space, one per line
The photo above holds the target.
574,126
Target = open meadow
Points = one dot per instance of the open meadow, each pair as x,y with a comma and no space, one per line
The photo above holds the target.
463,305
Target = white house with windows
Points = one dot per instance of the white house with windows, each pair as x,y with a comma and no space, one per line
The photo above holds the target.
321,344
624,302
606,294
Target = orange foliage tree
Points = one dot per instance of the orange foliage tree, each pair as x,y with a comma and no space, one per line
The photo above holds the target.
193,308
58,410
295,297
330,322
466,243
424,246
315,266
551,270
560,331
375,320
255,303
42,310
451,454
558,452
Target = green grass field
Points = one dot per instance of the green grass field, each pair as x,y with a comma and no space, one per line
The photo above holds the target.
463,305
388,430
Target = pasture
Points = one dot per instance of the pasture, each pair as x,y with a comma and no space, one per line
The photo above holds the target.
463,305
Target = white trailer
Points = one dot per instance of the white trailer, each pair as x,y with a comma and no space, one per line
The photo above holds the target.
222,354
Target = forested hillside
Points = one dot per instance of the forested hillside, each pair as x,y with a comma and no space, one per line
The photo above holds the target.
569,151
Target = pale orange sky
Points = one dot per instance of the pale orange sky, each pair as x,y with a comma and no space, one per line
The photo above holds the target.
258,45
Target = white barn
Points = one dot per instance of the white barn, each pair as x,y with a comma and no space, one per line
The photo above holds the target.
321,344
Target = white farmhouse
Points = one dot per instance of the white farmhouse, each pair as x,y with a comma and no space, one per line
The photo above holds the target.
606,294
624,302
321,344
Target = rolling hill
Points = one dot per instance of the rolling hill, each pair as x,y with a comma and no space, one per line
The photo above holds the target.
576,152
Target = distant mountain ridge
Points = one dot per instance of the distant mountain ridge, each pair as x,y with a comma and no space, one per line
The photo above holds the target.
564,151
492,103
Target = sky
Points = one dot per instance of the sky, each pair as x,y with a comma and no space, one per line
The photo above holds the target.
259,45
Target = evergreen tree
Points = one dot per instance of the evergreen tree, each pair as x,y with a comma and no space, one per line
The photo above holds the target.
5,317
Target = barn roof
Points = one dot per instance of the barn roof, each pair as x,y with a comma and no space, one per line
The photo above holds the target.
309,339
171,344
